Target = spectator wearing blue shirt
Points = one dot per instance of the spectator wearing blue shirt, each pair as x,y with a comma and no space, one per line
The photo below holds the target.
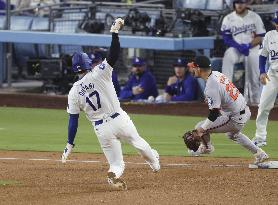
2,5
96,58
141,84
182,86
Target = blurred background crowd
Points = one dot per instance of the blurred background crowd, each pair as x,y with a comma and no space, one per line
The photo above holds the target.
148,75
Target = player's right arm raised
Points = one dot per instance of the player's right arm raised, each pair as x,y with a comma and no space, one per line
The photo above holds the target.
114,50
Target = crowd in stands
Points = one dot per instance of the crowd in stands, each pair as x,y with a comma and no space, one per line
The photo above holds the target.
141,85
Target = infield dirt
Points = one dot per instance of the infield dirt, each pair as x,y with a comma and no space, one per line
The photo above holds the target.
182,180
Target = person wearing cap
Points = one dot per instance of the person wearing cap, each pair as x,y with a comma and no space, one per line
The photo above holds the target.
242,31
269,80
182,86
228,111
96,58
141,84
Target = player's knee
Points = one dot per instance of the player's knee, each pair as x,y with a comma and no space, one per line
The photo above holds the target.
232,136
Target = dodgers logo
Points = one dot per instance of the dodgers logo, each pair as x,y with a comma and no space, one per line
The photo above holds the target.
273,55
243,29
102,66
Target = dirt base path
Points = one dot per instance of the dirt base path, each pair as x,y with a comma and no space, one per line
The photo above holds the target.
182,180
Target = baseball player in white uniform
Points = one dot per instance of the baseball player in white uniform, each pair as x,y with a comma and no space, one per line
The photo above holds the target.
228,112
95,94
242,31
269,81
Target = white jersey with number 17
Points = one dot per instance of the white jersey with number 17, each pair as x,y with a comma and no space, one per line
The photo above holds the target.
94,94
221,93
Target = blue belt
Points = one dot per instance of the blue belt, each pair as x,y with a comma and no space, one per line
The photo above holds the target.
99,122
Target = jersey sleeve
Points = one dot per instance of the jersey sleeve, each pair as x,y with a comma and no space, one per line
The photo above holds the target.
73,103
104,70
260,29
264,50
226,27
213,98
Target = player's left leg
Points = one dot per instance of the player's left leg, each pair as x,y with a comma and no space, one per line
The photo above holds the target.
268,97
243,140
112,150
128,132
252,74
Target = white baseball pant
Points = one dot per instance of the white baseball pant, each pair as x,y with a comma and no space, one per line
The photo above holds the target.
268,97
114,130
252,73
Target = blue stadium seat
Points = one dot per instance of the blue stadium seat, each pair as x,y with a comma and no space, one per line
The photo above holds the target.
2,22
40,24
66,27
21,23
22,51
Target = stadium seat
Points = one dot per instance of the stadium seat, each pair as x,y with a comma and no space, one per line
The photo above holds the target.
2,22
66,27
22,51
40,24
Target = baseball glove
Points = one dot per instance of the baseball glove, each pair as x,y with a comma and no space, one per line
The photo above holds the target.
193,141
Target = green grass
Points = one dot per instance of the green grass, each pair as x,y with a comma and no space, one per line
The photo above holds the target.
46,130
8,182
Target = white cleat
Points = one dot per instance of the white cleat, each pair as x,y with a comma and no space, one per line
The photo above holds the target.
155,166
116,182
260,156
259,142
193,154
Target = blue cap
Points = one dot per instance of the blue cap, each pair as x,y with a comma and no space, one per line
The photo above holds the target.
95,57
275,20
81,62
136,61
180,62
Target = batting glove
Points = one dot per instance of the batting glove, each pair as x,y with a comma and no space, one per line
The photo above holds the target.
117,25
244,49
67,152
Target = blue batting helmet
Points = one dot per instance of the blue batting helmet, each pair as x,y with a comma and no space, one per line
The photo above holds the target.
81,62
239,2
95,57
275,20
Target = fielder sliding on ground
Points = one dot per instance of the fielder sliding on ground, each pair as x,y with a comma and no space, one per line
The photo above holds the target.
95,94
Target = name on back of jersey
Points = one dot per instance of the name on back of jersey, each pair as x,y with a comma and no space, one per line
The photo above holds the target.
86,88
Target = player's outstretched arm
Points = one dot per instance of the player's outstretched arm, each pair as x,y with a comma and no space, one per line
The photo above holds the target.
72,129
114,50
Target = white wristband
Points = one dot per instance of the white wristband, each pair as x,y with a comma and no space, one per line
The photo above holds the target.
206,124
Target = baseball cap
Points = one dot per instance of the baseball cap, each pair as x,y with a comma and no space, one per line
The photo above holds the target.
136,61
95,57
202,62
180,62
